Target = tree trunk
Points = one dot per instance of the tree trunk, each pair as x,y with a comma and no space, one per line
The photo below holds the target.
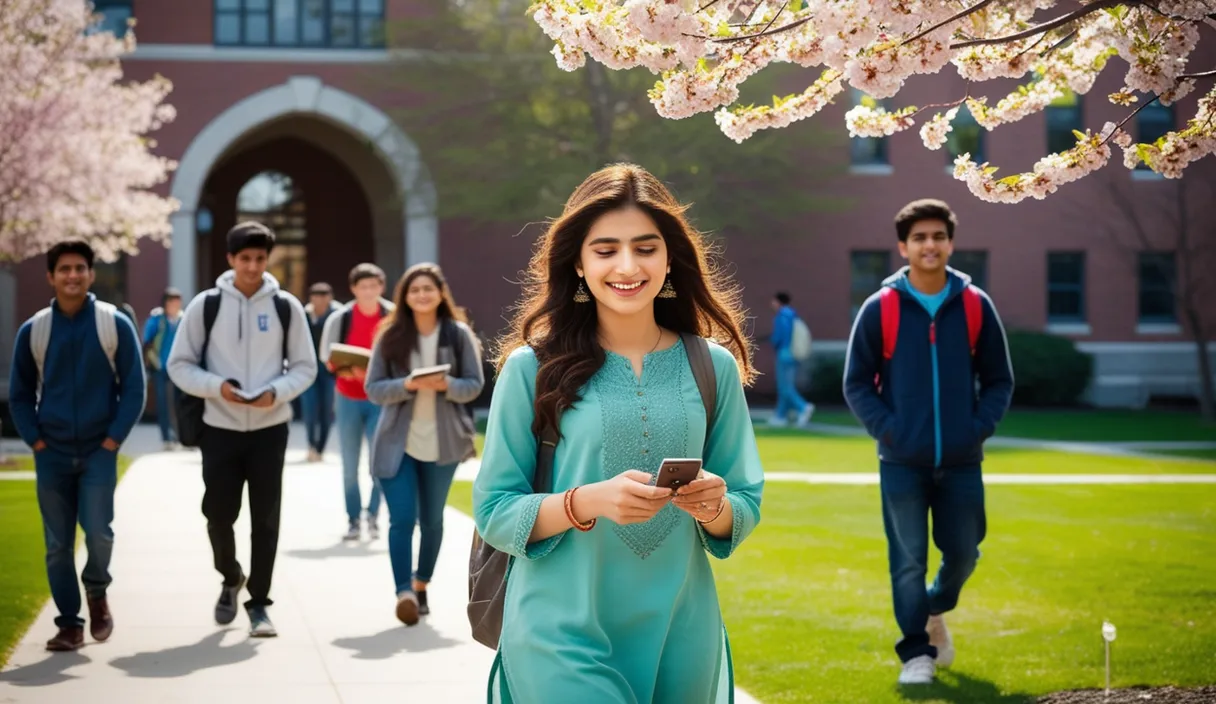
1207,389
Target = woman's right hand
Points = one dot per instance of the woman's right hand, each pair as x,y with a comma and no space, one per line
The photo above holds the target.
626,498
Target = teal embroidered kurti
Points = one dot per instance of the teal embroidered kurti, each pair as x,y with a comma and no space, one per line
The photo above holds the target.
621,614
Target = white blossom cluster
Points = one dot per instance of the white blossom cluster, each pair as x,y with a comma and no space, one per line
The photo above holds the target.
704,50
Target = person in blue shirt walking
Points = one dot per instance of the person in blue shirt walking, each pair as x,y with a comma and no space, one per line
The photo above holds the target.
788,398
916,350
318,401
159,331
75,391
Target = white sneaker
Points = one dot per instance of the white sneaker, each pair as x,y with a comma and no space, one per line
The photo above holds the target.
170,446
918,670
805,416
352,532
373,530
939,637
776,421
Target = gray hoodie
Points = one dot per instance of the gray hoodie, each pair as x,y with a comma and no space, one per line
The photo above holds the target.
246,345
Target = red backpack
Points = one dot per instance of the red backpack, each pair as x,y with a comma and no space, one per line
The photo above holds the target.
889,299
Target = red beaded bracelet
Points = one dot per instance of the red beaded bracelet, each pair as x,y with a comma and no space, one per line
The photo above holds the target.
584,527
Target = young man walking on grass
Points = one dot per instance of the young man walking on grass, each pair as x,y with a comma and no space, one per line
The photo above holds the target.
917,348
75,391
356,324
248,364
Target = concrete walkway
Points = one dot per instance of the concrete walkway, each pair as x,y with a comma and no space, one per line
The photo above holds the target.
339,640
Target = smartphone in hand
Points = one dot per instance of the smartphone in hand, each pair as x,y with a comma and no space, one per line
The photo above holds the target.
675,473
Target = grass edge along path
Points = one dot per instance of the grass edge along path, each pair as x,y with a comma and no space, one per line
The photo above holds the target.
23,589
808,603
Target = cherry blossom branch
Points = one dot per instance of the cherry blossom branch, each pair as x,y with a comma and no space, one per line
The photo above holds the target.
769,32
1128,119
953,18
1060,21
1205,74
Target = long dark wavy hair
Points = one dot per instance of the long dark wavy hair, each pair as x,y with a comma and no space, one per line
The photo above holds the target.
564,333
398,333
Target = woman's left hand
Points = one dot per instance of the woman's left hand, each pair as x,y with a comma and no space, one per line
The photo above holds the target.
703,497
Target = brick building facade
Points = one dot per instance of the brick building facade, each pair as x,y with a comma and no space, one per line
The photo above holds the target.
279,117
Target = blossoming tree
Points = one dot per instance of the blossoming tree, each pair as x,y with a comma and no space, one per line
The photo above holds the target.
703,50
74,155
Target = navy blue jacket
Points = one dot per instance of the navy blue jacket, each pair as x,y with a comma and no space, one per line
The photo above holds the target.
82,404
928,413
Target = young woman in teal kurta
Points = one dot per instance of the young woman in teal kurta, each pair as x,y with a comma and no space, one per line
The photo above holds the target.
627,610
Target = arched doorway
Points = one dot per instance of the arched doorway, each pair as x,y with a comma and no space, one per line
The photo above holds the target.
317,207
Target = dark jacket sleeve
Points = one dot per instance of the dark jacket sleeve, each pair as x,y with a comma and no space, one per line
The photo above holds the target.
995,372
862,363
23,388
131,390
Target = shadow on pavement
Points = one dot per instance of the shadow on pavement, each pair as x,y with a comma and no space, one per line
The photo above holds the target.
342,549
186,659
959,688
395,641
45,672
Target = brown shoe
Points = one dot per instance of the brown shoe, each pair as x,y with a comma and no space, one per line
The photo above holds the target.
69,638
407,608
101,623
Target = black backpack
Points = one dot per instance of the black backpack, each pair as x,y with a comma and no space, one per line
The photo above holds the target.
190,409
488,567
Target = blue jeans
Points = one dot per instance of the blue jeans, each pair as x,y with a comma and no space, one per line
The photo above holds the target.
356,419
318,409
788,398
955,498
416,496
165,393
76,489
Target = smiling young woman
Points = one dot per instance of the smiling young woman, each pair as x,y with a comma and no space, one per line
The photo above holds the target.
623,609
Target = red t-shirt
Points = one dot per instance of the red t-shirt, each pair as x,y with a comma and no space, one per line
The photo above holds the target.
362,329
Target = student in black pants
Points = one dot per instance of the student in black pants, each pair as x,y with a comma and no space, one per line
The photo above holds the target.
259,345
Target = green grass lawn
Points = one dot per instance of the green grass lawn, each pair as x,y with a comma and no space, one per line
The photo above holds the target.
23,588
800,451
1083,425
807,602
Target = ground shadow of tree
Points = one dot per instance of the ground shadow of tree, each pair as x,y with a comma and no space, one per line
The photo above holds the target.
395,641
48,671
959,688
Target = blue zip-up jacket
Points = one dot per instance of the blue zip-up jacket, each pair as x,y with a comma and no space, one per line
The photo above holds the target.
783,328
82,404
928,413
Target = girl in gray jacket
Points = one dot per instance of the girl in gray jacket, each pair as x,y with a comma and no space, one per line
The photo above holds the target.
425,428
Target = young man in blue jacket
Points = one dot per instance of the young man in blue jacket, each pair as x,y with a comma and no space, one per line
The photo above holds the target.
76,390
788,398
916,350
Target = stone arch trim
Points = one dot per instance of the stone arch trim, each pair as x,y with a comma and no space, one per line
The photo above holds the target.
308,96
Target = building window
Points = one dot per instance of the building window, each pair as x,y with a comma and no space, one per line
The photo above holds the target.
868,152
114,17
110,280
1157,280
1066,287
1063,116
1152,123
308,23
867,271
965,137
973,263
275,200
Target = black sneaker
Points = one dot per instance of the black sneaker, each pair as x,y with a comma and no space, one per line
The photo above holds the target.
259,623
423,609
225,608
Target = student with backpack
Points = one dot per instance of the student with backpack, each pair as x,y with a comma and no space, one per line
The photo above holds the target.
425,428
244,348
607,373
356,325
76,390
917,349
318,401
159,332
791,340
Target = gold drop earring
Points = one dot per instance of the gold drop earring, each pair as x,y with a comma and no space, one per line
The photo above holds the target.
580,295
668,291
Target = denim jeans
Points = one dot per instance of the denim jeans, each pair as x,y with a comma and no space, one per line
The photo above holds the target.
955,498
416,496
318,409
76,489
356,419
165,398
788,398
